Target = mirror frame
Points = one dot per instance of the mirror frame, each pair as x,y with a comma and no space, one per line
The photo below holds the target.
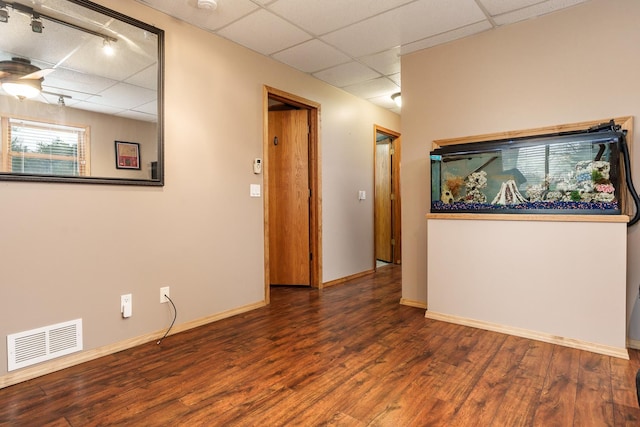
159,182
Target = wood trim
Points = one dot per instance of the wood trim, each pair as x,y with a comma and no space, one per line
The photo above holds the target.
397,207
625,121
88,355
531,217
315,180
346,279
413,303
621,353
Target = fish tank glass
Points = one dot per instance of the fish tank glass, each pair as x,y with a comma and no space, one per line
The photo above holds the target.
572,173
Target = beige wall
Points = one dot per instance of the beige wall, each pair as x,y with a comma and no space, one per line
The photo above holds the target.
576,65
74,249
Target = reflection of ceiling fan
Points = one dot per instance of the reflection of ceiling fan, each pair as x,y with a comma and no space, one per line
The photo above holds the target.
20,78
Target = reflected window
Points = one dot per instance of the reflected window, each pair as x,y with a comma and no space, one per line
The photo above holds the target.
33,147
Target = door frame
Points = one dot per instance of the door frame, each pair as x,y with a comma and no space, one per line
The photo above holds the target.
315,200
395,189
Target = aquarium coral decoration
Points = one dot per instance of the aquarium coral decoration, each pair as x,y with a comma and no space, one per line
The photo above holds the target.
535,192
604,188
454,184
451,189
473,184
509,194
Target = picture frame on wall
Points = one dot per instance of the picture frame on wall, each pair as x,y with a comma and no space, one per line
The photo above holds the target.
127,155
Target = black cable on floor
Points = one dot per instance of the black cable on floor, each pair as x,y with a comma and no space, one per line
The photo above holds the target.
175,315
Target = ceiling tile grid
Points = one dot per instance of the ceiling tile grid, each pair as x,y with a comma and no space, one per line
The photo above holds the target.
353,44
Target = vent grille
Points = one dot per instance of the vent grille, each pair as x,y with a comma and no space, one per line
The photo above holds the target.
38,345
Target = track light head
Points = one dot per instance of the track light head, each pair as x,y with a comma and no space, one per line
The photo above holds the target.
4,13
36,23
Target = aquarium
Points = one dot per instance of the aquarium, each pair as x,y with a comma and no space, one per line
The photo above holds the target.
565,173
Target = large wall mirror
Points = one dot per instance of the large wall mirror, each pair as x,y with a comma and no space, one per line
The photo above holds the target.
80,94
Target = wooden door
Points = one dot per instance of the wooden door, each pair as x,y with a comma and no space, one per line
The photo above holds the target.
383,206
289,244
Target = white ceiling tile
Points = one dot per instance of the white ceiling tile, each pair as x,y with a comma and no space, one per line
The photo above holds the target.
496,7
98,108
385,101
414,21
137,115
387,62
347,74
147,78
534,11
78,85
311,56
124,95
226,12
446,37
264,32
373,88
150,108
320,17
396,78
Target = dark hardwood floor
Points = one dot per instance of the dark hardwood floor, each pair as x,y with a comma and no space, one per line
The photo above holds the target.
350,355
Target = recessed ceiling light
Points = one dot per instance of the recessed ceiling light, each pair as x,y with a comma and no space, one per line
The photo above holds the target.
207,4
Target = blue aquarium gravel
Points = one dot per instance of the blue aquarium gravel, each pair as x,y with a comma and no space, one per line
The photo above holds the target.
538,207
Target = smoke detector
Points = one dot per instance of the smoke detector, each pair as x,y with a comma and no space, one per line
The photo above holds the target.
207,4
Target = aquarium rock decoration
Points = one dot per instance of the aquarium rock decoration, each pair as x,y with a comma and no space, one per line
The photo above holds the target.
509,194
535,192
446,196
473,184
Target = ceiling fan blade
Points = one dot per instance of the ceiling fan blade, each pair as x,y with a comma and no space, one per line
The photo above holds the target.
40,74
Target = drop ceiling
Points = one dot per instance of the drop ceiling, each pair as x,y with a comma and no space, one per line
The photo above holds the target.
80,75
353,44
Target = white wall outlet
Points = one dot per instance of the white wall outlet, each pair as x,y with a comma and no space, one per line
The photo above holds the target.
164,291
126,305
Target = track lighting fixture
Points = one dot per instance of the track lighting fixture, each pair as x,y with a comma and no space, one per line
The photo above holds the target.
36,23
4,13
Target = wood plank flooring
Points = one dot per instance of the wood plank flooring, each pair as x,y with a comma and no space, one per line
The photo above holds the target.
350,355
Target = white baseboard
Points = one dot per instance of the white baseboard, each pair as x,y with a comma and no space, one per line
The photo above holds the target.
622,353
85,356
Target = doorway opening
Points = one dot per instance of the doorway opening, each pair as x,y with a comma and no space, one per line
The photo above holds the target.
387,202
292,209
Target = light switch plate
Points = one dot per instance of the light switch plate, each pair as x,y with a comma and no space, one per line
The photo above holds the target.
254,190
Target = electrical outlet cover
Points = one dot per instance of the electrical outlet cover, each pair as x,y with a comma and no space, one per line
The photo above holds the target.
126,305
164,291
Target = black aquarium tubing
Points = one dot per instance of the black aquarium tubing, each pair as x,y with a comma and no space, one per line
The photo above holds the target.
627,175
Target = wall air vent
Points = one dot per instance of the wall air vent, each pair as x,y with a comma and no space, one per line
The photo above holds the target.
41,344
